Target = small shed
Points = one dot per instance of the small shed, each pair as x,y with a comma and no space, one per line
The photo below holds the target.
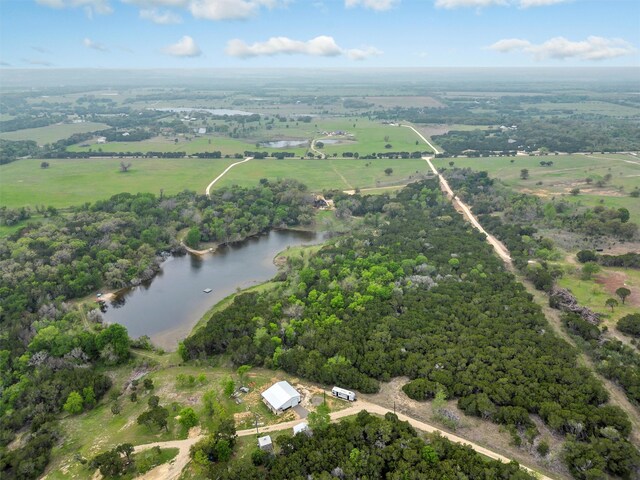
280,397
265,443
301,427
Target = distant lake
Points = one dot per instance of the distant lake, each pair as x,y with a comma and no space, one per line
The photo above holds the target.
212,111
285,144
167,308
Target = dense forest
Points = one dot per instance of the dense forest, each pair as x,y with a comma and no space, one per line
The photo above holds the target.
533,255
445,311
368,447
49,347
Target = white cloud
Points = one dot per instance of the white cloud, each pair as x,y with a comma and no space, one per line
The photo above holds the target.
87,42
540,3
510,44
378,5
185,47
213,9
101,7
592,49
363,54
161,17
321,46
503,3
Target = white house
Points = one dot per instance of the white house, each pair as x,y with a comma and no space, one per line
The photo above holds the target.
280,397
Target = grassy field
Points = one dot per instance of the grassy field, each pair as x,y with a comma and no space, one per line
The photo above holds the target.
368,137
73,182
76,181
595,292
568,172
53,133
326,174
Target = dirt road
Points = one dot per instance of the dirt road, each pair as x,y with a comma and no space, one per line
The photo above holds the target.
208,189
172,471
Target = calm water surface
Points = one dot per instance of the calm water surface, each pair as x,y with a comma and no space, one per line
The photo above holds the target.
168,307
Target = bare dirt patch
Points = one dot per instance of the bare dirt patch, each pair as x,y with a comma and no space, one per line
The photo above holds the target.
614,280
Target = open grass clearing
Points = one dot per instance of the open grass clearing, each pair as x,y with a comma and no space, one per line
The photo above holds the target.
53,133
342,174
76,181
594,293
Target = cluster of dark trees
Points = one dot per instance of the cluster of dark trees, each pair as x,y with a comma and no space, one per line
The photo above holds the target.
630,325
369,447
12,216
235,213
613,359
445,311
12,150
23,121
625,260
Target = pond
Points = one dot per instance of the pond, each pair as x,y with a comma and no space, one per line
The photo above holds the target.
167,308
285,144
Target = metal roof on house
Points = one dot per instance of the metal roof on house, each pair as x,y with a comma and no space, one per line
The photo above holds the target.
279,394
264,441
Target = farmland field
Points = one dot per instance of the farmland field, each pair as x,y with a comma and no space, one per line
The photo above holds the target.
566,173
53,133
75,181
367,137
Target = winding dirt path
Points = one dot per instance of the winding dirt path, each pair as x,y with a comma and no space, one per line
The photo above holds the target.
208,189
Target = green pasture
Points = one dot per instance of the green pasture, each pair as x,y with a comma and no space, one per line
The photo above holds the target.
342,174
368,137
593,295
566,173
76,181
53,133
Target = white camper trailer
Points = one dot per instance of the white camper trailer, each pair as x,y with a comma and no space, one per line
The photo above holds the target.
344,394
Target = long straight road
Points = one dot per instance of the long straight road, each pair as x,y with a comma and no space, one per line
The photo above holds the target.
499,248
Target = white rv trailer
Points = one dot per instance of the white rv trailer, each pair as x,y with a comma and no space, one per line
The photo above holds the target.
344,394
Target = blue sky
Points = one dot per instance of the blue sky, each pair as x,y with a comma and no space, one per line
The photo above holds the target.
318,33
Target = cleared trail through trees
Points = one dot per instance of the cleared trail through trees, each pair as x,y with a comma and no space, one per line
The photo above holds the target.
499,248
208,189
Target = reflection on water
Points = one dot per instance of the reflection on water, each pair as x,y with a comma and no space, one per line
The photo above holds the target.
167,307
